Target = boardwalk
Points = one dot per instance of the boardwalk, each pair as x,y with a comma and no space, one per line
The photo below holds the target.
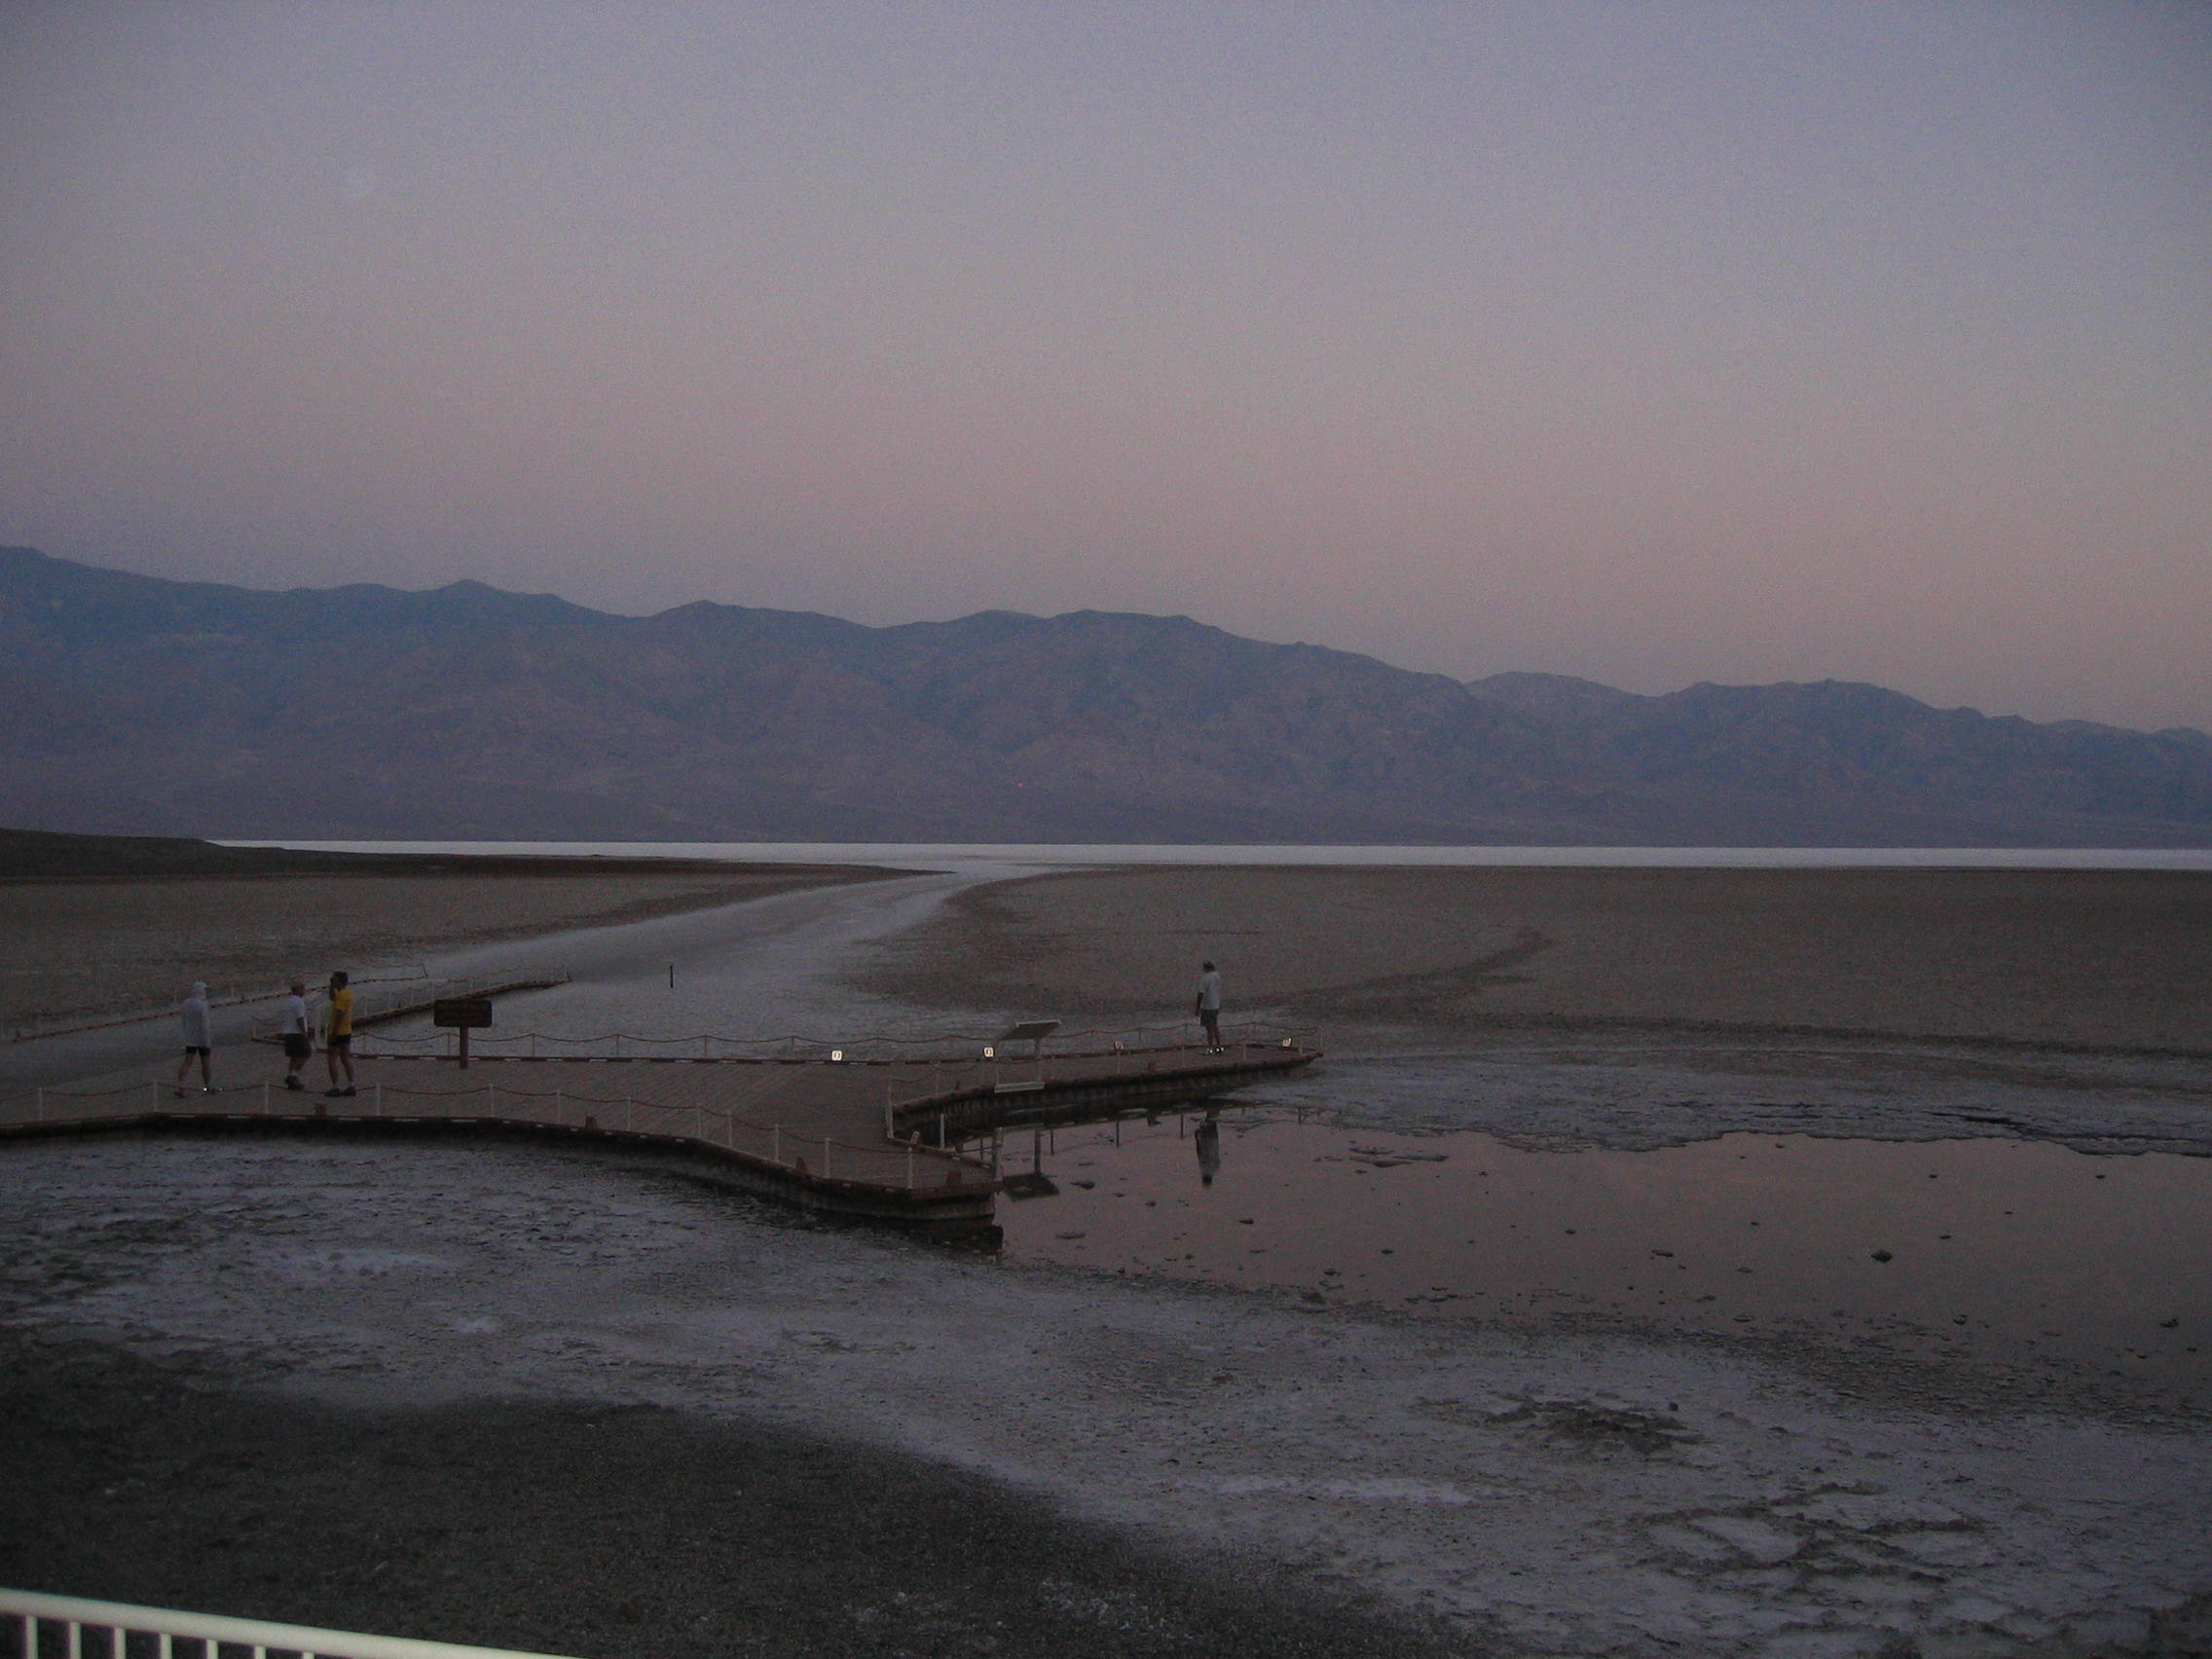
877,1139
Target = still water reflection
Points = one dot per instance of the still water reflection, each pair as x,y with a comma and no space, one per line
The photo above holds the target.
2001,1248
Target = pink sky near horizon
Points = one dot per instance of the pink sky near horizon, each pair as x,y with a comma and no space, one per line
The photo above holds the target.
1652,343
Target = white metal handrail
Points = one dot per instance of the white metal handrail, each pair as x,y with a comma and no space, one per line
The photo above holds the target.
231,995
75,1615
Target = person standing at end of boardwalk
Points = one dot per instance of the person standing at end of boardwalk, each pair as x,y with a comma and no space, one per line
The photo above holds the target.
338,1036
199,1039
299,1041
1208,1005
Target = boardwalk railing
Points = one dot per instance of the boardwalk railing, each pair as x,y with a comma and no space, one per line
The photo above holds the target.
947,1046
388,996
912,1083
74,1628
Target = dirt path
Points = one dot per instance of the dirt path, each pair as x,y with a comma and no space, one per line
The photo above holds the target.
76,950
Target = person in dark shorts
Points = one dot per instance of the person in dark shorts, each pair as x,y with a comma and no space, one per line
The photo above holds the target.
338,1036
1207,1006
198,1029
298,1038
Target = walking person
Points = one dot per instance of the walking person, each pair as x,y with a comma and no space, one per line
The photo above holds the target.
298,1037
338,1037
199,1039
1207,1006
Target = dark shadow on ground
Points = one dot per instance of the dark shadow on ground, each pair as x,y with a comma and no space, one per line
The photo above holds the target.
589,1529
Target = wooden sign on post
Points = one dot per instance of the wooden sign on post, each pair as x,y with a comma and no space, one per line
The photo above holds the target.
463,1014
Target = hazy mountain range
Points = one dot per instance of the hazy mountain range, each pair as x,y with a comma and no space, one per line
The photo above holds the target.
141,706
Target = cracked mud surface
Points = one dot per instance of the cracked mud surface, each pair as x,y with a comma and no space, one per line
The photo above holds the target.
1526,1493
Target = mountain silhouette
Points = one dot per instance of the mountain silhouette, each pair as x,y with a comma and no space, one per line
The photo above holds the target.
140,706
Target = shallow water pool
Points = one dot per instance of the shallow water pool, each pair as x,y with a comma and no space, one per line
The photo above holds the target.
1998,1248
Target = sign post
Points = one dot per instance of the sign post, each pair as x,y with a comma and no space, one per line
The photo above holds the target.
1033,1032
463,1014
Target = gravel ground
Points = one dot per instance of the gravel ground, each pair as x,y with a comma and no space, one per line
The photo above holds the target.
577,1526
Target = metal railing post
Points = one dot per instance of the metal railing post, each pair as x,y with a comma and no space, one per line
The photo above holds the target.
22,1615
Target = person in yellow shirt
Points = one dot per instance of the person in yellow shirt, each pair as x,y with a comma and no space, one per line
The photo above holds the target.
338,1036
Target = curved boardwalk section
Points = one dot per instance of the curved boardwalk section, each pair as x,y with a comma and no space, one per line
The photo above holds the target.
872,1139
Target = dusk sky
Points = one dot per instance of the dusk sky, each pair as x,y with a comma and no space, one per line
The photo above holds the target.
1649,343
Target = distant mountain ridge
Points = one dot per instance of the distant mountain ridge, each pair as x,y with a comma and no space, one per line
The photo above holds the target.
150,707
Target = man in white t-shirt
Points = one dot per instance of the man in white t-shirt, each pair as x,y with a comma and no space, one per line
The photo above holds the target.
1208,1005
298,1035
198,1032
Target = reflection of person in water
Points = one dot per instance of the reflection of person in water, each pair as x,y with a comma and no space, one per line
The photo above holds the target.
1208,1138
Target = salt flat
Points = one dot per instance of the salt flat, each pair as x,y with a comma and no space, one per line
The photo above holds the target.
1553,1493
1528,1487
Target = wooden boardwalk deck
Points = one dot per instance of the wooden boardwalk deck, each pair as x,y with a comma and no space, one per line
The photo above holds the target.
867,1138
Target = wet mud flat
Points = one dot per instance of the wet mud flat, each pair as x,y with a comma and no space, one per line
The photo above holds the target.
1996,1258
403,1316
